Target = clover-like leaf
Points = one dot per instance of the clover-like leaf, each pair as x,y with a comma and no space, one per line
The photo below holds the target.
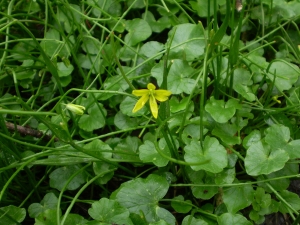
277,136
60,176
148,153
138,30
143,195
238,197
221,111
285,74
241,82
212,157
230,219
261,159
95,118
187,43
109,211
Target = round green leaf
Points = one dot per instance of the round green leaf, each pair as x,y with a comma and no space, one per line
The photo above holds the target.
238,197
124,122
221,111
98,149
143,195
64,70
49,202
109,211
180,206
260,159
286,74
148,153
95,118
151,49
230,219
212,152
11,215
129,148
60,176
138,30
187,43
190,220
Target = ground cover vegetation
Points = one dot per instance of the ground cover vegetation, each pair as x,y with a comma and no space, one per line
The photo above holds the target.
149,112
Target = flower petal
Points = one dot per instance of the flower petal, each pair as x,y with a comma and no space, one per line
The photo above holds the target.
153,106
151,86
140,103
162,95
140,92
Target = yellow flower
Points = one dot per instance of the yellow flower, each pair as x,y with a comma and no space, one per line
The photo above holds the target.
153,95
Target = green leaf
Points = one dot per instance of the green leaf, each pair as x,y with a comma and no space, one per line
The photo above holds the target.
138,31
110,7
260,159
221,111
230,219
124,122
148,153
181,207
12,215
49,202
159,25
237,197
109,211
241,81
64,70
188,42
143,195
98,149
91,45
95,118
227,176
60,176
292,199
190,220
48,217
277,136
201,6
129,147
91,62
52,45
101,167
286,74
227,133
288,170
204,192
251,138
151,49
75,219
211,151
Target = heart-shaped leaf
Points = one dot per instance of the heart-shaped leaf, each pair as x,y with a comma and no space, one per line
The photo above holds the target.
143,195
221,111
212,157
109,211
260,159
138,30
